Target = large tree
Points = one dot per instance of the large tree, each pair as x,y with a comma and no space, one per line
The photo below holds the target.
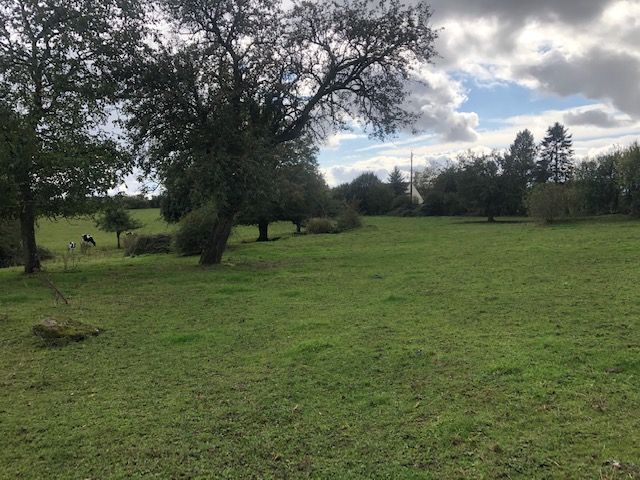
367,194
556,156
240,78
55,74
518,167
480,184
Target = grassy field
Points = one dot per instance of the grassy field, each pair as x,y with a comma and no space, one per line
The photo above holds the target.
411,348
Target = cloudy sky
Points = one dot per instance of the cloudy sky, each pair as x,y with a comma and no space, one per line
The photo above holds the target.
506,65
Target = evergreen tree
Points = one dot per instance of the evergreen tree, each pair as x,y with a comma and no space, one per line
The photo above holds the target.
556,156
397,182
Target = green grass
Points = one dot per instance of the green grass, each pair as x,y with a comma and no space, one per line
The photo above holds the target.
410,348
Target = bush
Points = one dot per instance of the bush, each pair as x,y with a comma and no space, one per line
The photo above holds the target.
139,244
193,229
403,206
320,225
348,220
548,202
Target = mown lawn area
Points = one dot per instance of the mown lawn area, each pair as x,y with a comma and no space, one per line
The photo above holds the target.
431,348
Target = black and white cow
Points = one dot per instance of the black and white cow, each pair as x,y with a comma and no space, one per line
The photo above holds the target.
72,247
87,238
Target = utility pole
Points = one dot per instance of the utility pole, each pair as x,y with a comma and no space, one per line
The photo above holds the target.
411,179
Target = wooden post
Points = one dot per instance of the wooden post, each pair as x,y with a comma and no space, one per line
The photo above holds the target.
411,179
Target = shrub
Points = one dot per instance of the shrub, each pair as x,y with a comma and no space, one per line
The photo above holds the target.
139,244
403,206
548,202
193,229
320,225
348,220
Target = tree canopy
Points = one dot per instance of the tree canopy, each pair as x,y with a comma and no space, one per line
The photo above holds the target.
56,64
116,219
242,78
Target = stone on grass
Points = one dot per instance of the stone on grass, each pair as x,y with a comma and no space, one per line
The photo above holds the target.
51,329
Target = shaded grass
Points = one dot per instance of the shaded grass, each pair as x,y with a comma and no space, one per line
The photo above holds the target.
410,348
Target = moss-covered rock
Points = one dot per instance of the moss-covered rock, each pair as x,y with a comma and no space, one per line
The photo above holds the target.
51,329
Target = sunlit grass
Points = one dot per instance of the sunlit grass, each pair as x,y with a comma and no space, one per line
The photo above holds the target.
410,348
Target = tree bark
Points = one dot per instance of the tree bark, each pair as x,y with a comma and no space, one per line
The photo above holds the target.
28,233
263,228
216,243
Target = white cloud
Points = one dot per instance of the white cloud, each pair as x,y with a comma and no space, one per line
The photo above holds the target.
335,141
589,141
585,47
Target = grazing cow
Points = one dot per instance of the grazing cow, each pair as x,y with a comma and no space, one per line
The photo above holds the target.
71,247
87,238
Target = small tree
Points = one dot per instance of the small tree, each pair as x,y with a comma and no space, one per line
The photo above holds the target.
116,219
547,202
397,182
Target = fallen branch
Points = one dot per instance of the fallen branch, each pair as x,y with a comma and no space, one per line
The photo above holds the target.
56,292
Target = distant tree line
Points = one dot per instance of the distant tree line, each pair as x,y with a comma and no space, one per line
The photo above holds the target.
517,181
541,179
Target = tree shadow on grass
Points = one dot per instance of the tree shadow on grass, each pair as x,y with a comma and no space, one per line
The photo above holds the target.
480,221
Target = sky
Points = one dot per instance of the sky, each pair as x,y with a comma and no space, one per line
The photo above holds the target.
507,65
503,66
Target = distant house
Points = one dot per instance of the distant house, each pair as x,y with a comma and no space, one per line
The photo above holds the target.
415,195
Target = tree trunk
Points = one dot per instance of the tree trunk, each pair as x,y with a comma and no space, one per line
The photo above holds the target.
491,219
118,237
263,228
28,234
298,227
216,243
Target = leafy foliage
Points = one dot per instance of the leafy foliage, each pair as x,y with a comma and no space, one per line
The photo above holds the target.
320,225
116,219
629,173
348,220
192,230
548,202
57,60
215,105
480,185
141,244
297,191
367,194
518,166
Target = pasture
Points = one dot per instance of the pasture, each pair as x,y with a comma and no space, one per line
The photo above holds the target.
426,348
